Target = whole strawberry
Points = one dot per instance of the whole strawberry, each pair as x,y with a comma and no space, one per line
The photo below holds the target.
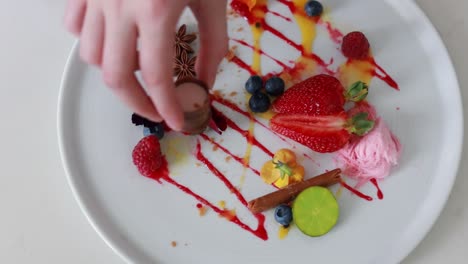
355,46
147,155
319,95
322,134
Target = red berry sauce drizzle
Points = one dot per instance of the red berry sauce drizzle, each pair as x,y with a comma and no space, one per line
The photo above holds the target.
258,21
244,43
379,191
163,175
225,150
356,192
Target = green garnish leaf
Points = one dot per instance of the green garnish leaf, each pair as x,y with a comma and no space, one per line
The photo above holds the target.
360,124
357,92
283,168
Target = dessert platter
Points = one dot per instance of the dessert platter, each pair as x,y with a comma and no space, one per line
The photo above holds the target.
333,133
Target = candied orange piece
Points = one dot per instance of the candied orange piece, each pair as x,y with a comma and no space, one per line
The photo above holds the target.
298,174
282,182
269,173
285,156
282,170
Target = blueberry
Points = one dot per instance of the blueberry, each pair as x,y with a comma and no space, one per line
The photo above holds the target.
313,8
254,84
283,215
146,131
157,130
274,86
259,102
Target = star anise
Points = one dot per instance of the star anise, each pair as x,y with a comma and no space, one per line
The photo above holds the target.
185,66
183,41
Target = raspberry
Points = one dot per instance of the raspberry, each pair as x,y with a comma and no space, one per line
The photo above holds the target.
147,155
355,46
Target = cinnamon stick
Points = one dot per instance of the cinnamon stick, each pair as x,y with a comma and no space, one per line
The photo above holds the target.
284,195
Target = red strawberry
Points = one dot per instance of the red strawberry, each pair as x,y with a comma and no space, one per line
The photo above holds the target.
355,46
147,155
318,95
321,133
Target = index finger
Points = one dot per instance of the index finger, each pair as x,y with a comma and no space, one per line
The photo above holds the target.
156,60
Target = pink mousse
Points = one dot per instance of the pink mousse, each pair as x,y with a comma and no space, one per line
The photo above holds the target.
371,156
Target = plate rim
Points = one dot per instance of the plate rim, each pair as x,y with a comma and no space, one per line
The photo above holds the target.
425,218
77,193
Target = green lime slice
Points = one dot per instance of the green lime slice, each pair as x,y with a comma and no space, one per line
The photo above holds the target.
315,211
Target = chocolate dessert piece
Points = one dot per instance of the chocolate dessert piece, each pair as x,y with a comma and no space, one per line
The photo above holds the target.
194,99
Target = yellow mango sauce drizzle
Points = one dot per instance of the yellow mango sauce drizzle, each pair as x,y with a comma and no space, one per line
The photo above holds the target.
257,33
339,192
308,29
283,232
355,70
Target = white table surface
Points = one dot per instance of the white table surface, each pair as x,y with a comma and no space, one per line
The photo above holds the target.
40,222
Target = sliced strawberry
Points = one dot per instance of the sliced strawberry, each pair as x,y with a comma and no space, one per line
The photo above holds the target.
318,95
321,133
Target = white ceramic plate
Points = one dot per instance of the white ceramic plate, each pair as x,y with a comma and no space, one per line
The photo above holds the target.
139,218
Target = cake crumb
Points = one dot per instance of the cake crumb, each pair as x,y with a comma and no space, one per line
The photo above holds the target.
198,164
228,158
231,53
202,211
240,29
174,244
218,93
233,13
234,93
222,204
215,147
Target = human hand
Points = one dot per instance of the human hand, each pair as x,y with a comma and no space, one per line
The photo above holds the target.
108,31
